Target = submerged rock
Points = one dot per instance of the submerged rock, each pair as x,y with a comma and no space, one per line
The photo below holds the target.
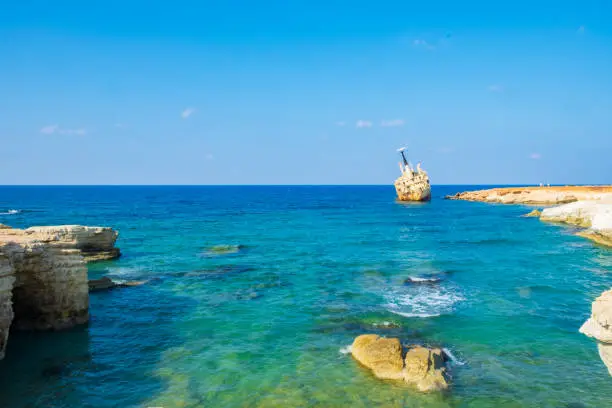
224,249
599,326
415,280
422,367
106,283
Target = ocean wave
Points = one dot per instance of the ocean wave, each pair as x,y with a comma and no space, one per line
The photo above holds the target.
346,349
11,212
454,360
421,301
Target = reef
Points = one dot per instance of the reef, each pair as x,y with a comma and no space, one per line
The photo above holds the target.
43,276
422,367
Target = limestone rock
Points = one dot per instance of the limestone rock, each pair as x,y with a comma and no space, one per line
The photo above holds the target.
4,226
536,195
426,369
96,243
599,326
381,355
595,215
533,213
422,367
7,279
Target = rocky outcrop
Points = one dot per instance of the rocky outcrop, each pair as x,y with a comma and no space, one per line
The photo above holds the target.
43,276
599,326
536,195
95,243
533,213
381,355
50,289
596,216
423,367
7,279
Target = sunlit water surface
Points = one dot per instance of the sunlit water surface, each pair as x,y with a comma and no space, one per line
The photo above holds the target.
264,324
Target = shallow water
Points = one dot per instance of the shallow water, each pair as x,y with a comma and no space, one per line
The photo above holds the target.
255,293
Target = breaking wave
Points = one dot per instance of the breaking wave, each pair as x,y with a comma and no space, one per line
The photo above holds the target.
11,212
421,301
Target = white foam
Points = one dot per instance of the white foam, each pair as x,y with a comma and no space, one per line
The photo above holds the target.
417,279
452,357
346,350
421,301
10,212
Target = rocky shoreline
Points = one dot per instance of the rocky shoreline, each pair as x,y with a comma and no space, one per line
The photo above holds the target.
43,275
536,195
587,207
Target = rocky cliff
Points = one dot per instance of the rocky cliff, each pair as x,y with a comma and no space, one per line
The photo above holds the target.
599,326
43,276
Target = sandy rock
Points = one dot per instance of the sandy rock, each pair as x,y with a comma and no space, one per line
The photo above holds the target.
426,369
4,226
599,326
533,213
96,243
422,367
381,355
536,195
7,279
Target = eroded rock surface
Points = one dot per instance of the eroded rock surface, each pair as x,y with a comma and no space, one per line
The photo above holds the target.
423,367
599,326
594,215
95,243
381,355
106,283
43,276
7,279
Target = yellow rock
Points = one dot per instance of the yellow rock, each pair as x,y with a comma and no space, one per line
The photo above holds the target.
382,355
425,368
534,213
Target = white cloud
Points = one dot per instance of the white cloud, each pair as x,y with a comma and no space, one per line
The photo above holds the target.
392,123
187,113
363,124
535,156
341,123
495,88
422,44
49,129
56,129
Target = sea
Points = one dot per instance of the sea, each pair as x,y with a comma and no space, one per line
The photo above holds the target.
254,294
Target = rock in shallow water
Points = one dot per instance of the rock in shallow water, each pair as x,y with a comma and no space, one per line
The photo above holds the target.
106,283
599,326
423,367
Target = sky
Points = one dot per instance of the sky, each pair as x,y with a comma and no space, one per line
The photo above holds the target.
305,92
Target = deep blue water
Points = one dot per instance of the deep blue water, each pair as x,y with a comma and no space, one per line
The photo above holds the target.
310,268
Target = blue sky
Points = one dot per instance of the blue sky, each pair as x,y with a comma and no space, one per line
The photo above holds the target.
304,92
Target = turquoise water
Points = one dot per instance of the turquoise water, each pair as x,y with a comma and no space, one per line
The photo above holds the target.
264,324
